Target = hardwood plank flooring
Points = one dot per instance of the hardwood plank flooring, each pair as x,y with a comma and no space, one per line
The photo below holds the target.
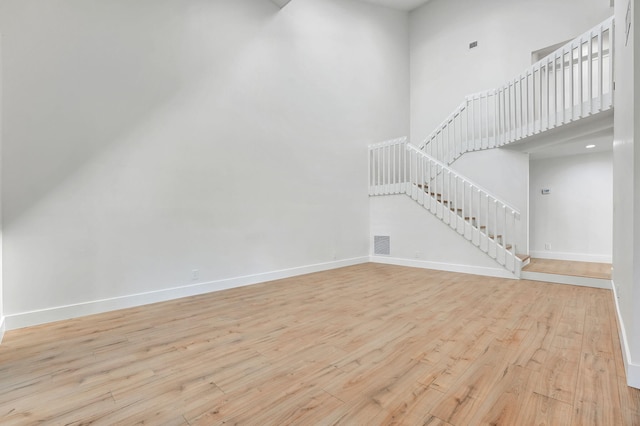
566,267
369,344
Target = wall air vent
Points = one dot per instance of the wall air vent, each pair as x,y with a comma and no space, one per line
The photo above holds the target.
382,245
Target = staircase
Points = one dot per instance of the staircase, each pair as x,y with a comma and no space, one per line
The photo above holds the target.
491,224
571,84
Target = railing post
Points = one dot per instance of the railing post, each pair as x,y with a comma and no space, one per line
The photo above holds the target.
486,118
571,117
463,206
590,74
505,235
600,68
520,107
549,93
526,104
611,59
540,97
563,88
375,170
494,136
581,78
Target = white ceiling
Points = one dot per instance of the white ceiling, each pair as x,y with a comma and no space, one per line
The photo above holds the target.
406,5
603,141
558,146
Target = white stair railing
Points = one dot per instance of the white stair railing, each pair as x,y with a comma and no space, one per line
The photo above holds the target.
571,83
387,168
396,167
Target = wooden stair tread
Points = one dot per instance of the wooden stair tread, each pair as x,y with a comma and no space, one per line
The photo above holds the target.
466,218
498,239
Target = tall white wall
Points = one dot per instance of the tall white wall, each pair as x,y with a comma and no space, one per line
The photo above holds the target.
2,322
144,140
626,187
576,218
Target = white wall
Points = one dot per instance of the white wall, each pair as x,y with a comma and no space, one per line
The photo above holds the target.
576,217
626,189
147,139
2,322
632,298
505,174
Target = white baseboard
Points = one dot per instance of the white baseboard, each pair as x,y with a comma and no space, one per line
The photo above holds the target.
441,266
633,370
26,319
566,279
3,325
577,257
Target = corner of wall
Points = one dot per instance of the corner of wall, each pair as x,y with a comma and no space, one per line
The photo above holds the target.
632,369
2,328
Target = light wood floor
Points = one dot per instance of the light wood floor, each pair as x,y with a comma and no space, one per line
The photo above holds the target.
364,345
565,267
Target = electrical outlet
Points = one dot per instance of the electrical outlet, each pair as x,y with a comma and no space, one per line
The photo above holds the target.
547,246
195,274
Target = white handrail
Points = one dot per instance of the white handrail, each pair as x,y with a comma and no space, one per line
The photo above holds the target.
464,178
446,120
387,167
573,82
397,167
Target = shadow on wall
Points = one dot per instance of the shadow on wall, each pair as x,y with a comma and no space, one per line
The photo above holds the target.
112,112
141,140
83,76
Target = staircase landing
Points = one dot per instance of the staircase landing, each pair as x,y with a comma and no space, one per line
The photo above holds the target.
586,274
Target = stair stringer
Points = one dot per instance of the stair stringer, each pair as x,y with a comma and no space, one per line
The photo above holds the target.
420,239
489,223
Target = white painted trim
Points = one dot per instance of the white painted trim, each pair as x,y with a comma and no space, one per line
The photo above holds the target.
633,370
26,319
578,257
566,279
3,325
441,266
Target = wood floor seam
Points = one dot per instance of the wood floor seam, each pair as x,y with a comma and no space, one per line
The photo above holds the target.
368,344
